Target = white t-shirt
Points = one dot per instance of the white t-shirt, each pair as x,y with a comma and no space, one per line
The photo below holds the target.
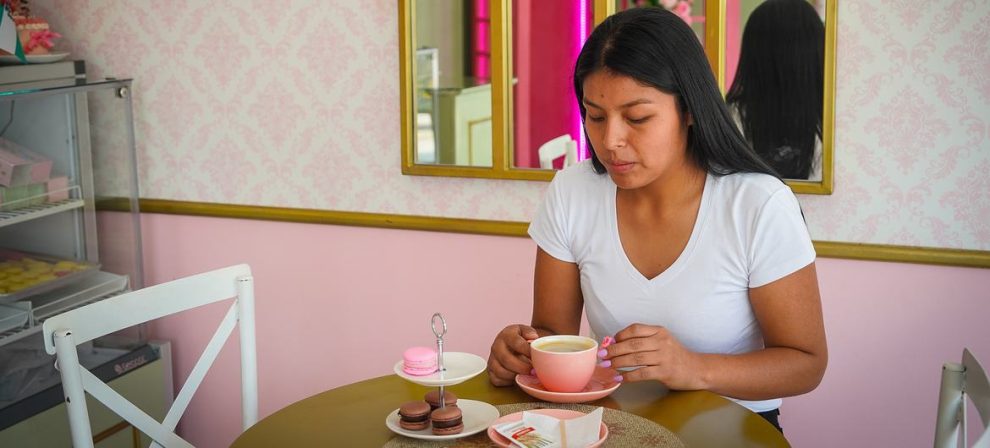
749,232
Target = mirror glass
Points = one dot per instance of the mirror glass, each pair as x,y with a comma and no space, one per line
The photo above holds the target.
486,85
775,55
452,95
546,123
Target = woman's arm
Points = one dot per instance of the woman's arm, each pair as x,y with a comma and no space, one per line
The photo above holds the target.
789,314
556,310
557,299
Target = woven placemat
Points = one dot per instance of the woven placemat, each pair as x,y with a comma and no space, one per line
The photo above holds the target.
624,429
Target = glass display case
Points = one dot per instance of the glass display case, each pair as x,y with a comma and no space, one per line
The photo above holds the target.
66,150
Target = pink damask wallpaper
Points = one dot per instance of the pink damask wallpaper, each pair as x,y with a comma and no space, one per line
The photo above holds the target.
912,125
295,104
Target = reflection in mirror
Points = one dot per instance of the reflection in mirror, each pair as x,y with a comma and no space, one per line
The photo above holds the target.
776,64
546,39
452,76
691,11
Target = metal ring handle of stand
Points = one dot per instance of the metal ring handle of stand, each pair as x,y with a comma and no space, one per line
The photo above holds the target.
439,334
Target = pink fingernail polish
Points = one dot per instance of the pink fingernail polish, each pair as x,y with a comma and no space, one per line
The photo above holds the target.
607,341
602,353
617,378
532,371
605,363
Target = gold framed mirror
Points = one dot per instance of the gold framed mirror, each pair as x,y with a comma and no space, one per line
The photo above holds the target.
472,104
779,74
477,78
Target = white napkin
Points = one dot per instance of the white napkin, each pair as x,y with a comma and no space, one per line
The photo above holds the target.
582,431
550,432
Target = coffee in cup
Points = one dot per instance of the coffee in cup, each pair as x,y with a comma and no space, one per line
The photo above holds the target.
564,363
565,346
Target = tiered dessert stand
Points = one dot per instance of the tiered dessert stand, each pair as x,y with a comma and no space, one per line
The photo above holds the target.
453,368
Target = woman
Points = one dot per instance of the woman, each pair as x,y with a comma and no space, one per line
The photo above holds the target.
778,90
674,237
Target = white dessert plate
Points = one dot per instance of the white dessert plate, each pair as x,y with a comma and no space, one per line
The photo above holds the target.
600,386
459,366
35,58
559,414
477,416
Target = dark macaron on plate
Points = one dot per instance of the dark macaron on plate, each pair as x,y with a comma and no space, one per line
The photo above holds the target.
467,418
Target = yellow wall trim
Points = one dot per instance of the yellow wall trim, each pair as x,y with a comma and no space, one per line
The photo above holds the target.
360,219
826,249
904,254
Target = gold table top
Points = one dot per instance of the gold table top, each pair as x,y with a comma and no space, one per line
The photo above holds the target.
354,415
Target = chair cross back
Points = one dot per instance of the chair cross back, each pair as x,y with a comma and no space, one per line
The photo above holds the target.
64,332
959,382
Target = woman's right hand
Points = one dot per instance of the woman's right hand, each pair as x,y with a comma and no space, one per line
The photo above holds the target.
510,354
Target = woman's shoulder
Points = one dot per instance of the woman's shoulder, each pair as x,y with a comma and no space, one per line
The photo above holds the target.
580,176
755,188
575,193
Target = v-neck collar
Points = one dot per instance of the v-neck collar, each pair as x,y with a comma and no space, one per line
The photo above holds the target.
682,258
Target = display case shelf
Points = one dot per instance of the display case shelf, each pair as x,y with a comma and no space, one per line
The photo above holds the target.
13,316
8,218
96,287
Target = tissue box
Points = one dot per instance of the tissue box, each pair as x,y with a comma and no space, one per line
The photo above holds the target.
21,166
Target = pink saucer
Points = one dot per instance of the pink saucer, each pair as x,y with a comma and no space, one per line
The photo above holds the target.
600,386
561,414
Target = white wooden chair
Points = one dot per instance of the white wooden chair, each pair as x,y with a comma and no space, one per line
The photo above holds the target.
562,146
65,331
960,381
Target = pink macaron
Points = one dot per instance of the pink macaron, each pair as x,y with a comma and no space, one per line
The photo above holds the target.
419,361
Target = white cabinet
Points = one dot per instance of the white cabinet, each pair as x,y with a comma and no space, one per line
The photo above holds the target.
465,125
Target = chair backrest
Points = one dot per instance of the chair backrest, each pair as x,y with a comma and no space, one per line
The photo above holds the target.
959,382
65,331
562,146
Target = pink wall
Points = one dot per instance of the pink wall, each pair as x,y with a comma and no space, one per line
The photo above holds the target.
334,304
338,304
890,328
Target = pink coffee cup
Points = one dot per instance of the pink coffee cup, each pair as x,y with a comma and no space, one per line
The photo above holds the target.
564,363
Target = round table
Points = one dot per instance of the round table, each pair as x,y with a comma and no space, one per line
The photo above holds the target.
354,415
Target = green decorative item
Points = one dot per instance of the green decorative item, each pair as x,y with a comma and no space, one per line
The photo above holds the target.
9,40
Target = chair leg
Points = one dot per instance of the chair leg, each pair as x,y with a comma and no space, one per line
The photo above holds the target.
72,388
249,365
950,401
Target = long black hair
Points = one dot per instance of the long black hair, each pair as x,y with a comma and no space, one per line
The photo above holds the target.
778,88
656,48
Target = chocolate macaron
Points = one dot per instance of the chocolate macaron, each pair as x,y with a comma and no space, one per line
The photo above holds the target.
414,415
447,421
433,398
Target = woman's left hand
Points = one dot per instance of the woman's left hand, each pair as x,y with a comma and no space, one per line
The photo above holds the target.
659,355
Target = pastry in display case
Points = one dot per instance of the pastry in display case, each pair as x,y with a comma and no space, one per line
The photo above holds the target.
66,151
